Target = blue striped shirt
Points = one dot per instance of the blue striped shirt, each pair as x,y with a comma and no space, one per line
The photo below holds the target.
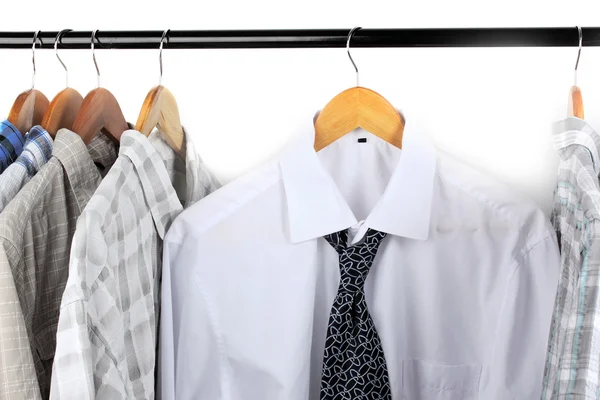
36,153
11,144
37,150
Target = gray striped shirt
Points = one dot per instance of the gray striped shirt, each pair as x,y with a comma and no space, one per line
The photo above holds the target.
36,229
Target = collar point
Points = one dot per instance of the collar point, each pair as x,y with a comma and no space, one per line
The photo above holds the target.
421,236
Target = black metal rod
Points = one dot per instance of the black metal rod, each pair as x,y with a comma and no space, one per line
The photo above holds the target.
311,38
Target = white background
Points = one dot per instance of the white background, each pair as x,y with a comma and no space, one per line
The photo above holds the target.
492,108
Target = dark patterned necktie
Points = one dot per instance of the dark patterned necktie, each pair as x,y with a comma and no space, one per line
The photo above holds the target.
354,364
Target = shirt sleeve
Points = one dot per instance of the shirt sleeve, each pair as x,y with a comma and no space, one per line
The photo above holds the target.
188,361
18,379
516,367
72,376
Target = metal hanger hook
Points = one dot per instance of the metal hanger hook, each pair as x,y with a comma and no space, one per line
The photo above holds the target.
35,39
348,50
163,39
578,52
94,56
56,41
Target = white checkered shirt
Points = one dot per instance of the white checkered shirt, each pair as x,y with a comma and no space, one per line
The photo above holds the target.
573,361
36,153
107,332
36,229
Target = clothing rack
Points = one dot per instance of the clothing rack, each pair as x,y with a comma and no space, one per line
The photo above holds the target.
309,38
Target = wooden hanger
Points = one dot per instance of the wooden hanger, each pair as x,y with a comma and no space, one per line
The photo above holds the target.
358,107
29,106
99,111
62,111
63,108
160,111
575,106
28,110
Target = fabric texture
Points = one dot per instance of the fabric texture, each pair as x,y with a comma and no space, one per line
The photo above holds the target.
36,229
573,362
11,144
36,153
354,365
106,341
461,290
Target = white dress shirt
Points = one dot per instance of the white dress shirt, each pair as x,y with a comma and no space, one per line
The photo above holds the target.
461,290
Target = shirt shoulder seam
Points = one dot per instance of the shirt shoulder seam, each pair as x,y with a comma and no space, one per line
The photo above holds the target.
14,247
528,248
486,204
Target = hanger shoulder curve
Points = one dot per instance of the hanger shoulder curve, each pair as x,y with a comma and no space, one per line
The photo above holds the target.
28,110
62,111
380,117
148,117
160,110
100,111
358,107
575,107
335,120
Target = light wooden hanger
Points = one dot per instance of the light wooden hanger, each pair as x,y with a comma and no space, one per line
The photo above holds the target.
99,111
63,108
575,107
160,111
29,106
358,107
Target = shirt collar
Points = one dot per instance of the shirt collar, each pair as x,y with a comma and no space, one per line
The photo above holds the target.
200,182
573,132
316,207
148,159
84,165
104,152
37,150
11,144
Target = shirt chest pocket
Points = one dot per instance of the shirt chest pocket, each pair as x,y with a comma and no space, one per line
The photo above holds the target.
423,380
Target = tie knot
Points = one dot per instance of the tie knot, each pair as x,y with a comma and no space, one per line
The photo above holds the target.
355,260
368,244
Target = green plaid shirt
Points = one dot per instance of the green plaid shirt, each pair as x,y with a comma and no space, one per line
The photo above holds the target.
573,361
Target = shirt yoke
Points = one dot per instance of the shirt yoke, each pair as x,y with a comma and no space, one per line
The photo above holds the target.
223,203
487,202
